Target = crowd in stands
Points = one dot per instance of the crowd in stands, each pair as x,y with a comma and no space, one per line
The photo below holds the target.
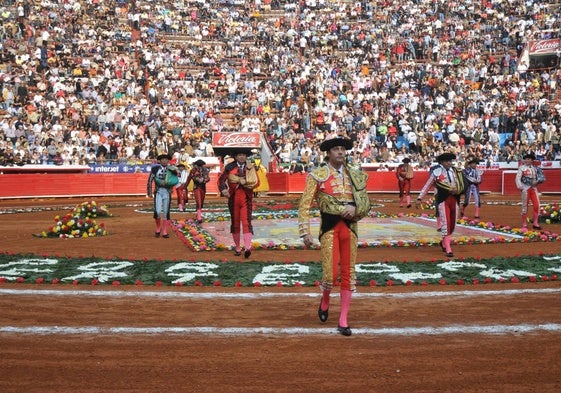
115,81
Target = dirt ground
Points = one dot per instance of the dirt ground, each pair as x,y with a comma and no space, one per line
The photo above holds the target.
422,339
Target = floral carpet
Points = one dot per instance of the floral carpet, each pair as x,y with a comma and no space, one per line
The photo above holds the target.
373,232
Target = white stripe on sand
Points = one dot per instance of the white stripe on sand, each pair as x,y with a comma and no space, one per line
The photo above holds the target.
256,296
231,331
268,331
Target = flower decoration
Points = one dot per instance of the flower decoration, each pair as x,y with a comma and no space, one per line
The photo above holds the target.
79,223
550,213
91,209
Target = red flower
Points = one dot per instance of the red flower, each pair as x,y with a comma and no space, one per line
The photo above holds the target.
217,284
95,281
389,283
460,281
138,282
515,280
158,283
75,282
238,284
257,284
298,284
475,281
372,283
179,284
198,284
20,279
116,283
487,280
532,279
55,281
424,283
442,282
409,283
39,280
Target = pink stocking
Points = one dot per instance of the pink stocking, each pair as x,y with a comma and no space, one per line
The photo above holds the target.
165,224
446,240
158,224
247,240
236,237
345,305
325,299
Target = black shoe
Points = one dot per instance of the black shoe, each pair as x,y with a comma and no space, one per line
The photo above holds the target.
450,254
442,246
537,227
238,253
408,206
157,234
199,222
247,254
165,236
438,229
323,315
345,331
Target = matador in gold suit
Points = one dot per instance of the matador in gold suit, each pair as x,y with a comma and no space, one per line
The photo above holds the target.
340,192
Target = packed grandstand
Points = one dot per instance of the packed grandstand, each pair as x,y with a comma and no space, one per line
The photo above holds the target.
114,81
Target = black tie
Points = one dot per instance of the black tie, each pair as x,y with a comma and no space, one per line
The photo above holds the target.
241,170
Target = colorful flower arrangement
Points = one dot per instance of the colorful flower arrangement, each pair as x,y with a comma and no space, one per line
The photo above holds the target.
195,237
74,226
79,223
198,239
550,213
91,209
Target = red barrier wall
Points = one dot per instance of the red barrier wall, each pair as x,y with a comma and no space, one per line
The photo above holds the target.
26,185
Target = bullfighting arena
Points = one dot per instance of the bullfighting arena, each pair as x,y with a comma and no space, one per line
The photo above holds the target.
499,337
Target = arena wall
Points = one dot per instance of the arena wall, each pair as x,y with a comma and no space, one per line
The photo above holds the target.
37,185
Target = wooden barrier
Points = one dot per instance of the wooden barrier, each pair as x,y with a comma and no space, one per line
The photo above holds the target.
36,185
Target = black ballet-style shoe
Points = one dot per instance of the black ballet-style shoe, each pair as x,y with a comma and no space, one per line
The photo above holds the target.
156,234
237,253
345,331
322,314
450,254
537,227
165,236
247,254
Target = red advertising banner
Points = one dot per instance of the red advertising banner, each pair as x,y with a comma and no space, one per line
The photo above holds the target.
236,139
544,47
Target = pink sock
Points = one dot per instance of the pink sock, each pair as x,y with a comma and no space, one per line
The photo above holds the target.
325,299
446,240
165,224
247,240
158,224
236,237
345,305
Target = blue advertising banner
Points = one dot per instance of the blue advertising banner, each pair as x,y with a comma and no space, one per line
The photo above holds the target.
119,168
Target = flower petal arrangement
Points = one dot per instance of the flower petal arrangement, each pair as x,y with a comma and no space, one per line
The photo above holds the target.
550,213
79,223
91,209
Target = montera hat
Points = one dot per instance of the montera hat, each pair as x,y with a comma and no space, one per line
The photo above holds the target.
163,155
328,144
446,157
529,156
199,162
406,160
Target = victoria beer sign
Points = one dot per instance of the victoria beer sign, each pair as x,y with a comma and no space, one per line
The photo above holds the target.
236,139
